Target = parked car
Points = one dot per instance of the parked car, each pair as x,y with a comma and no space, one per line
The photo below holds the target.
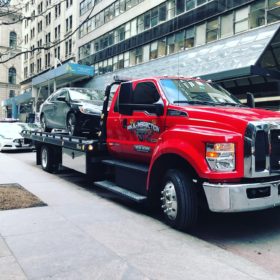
76,110
11,139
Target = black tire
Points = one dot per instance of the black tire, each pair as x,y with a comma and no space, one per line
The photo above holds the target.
44,124
179,200
48,159
72,125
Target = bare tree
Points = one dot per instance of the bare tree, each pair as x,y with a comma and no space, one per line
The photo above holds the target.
16,10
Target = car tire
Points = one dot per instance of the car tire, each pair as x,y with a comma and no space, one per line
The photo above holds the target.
49,159
44,124
179,200
72,124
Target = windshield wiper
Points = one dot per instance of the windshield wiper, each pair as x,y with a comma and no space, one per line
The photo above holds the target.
199,102
231,104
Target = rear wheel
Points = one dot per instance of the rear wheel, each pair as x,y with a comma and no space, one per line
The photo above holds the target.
72,124
44,124
179,200
49,160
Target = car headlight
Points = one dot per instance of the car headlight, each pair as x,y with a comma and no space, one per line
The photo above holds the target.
87,110
220,156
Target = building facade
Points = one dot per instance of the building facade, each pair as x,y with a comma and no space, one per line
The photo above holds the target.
50,34
234,42
10,44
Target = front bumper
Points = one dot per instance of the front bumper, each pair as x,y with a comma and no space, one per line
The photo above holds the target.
235,197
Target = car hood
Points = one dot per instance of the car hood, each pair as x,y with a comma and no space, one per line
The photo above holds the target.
229,118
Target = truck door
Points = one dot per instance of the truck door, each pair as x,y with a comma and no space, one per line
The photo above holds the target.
139,120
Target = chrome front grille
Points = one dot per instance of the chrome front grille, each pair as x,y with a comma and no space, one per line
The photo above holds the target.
262,149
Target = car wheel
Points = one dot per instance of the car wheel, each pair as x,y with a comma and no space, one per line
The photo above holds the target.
44,124
179,200
72,124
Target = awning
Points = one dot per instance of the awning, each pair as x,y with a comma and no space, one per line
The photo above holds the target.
66,73
22,98
255,52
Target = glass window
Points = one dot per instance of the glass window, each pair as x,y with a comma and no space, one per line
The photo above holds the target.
146,53
189,38
162,47
170,44
127,30
12,94
227,25
133,28
154,17
200,34
132,58
126,59
154,50
145,93
257,14
115,63
147,20
162,12
170,9
273,14
212,31
122,6
110,65
13,39
190,4
140,24
200,2
179,41
241,20
121,33
180,6
117,8
120,61
12,75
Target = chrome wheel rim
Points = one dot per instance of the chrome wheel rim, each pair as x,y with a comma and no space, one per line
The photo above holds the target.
43,123
44,157
71,125
169,201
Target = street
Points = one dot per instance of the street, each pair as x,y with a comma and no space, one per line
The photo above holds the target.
254,236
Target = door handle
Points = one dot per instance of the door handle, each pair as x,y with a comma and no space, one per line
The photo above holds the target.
124,123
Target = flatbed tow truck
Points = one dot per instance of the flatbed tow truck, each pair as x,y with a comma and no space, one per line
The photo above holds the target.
177,144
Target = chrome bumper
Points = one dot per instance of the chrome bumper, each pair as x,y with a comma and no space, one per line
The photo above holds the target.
234,198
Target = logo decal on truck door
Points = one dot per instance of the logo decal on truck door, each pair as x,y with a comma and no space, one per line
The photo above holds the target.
143,130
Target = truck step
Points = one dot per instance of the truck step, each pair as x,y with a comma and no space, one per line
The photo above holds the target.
125,164
108,185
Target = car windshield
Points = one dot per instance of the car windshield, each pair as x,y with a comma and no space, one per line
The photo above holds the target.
85,94
197,92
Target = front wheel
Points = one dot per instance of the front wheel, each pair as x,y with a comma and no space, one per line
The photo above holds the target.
72,125
179,200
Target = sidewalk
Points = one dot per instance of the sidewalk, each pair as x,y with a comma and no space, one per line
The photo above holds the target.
81,235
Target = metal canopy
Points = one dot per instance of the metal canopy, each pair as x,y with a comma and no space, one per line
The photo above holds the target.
255,52
66,73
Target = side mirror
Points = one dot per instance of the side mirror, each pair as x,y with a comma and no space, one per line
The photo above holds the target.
250,100
61,98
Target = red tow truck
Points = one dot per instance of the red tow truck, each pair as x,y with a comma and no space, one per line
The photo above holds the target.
177,143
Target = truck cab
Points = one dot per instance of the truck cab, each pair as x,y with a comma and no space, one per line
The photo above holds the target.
177,144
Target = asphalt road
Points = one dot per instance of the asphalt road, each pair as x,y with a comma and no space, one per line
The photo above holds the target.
254,235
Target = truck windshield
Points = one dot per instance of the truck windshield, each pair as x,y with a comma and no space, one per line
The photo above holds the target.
197,92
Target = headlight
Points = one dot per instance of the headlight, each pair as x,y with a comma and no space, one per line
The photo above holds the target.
220,156
87,110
